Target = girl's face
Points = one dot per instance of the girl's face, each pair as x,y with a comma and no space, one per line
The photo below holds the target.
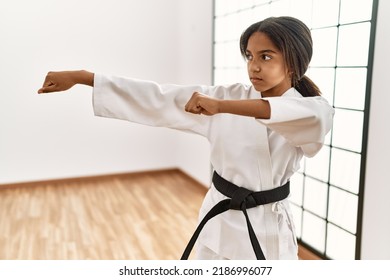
267,69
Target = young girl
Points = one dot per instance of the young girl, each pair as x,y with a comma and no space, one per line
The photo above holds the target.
258,135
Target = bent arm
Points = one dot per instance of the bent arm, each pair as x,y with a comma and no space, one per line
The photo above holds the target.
257,108
303,121
207,105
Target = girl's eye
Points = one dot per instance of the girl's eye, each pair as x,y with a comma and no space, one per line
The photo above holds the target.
266,57
248,56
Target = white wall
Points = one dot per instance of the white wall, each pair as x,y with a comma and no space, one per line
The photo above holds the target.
195,52
376,220
57,136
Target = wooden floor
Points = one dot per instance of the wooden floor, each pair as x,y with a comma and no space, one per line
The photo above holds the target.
142,216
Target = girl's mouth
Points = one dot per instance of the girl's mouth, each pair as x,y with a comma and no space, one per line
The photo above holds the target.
255,80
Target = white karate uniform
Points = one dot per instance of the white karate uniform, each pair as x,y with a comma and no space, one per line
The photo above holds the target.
257,154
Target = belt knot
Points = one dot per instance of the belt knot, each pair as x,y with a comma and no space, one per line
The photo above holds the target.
241,199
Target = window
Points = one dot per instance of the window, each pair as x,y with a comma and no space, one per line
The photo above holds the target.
327,193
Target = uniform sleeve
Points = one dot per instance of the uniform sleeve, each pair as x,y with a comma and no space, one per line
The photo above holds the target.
303,121
147,103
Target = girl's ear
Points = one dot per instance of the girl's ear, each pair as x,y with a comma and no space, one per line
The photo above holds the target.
289,72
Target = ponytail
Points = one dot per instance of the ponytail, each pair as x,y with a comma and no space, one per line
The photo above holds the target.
307,87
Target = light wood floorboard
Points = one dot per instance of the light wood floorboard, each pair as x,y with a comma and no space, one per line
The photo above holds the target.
142,216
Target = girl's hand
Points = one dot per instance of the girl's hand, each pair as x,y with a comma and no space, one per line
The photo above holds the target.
57,81
202,104
64,80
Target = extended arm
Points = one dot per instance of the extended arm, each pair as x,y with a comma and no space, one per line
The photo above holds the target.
139,101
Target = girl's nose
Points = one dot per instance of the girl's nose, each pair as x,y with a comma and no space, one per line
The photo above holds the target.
254,67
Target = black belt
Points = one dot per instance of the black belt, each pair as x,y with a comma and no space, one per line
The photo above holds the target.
239,199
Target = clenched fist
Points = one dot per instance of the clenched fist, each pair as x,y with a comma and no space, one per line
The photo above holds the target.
64,80
202,104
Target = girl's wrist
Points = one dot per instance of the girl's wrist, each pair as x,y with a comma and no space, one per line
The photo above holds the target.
83,77
222,106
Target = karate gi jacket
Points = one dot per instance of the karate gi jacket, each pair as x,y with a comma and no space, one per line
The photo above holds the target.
258,154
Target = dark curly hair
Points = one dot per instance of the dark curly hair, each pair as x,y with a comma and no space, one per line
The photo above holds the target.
293,38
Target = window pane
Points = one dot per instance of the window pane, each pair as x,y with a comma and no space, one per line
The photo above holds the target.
345,170
297,216
245,20
261,12
231,28
218,76
325,13
242,76
313,231
219,55
318,166
354,11
220,7
226,28
324,79
232,56
301,9
340,244
223,76
343,208
259,2
231,5
220,33
244,4
350,88
279,8
324,51
315,197
348,129
353,44
296,187
328,138
234,75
